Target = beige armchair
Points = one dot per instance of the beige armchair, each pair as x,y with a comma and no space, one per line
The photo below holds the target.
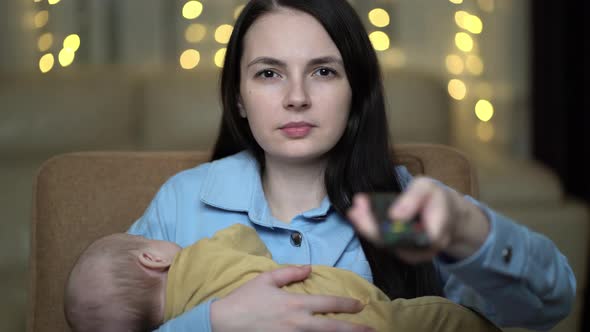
79,197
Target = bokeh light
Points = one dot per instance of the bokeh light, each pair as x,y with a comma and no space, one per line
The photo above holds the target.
189,59
192,9
195,33
379,17
66,57
484,110
457,89
380,40
223,33
72,42
454,64
46,63
220,57
464,41
474,64
485,131
41,18
45,41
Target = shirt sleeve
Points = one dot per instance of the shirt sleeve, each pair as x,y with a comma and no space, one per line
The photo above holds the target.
518,278
159,222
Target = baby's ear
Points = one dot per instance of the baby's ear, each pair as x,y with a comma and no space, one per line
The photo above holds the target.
153,261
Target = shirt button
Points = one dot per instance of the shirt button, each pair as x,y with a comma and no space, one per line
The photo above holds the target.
507,254
296,239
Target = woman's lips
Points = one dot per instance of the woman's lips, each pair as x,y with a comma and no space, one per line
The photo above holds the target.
296,129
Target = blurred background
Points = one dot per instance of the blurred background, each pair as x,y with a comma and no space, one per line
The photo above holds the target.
505,81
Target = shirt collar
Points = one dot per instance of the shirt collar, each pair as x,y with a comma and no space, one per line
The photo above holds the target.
233,183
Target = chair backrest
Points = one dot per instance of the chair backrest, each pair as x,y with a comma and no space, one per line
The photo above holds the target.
79,197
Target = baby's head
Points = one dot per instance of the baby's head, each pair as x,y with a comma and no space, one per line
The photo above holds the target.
119,284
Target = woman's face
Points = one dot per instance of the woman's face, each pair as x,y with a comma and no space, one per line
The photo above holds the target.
293,88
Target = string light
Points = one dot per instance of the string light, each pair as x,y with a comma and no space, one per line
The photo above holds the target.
72,42
66,57
485,131
220,57
464,41
53,2
46,63
192,9
195,33
454,64
484,110
457,89
41,19
45,41
379,17
380,40
189,59
474,64
223,33
456,2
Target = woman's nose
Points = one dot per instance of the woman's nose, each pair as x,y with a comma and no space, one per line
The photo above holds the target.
297,97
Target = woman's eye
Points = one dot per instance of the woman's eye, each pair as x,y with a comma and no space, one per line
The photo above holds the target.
266,74
325,72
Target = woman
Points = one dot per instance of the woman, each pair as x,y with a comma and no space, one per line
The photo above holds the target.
303,135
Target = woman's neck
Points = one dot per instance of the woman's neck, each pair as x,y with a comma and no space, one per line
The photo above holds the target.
291,189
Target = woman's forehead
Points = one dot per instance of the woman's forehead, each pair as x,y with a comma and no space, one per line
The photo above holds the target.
288,34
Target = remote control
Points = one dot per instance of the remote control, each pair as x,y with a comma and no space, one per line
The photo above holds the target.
397,233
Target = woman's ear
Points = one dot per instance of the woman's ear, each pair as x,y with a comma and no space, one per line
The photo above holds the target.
241,107
152,260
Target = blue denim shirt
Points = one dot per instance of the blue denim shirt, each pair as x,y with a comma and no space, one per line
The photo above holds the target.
534,289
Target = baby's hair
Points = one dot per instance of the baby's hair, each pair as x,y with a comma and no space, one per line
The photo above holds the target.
108,289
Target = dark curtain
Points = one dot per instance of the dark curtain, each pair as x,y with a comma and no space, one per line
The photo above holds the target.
560,94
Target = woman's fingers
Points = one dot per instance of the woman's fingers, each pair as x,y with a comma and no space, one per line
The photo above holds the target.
362,218
286,275
324,304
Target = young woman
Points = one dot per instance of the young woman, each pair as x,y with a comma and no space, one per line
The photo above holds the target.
303,135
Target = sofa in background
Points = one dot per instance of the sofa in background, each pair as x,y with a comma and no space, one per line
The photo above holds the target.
110,109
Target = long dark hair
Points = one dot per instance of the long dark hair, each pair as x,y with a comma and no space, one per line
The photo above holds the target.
362,160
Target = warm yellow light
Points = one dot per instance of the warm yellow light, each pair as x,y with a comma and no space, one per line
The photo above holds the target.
45,41
195,33
72,42
223,33
379,17
460,18
53,2
66,57
380,40
41,18
456,2
474,64
484,110
464,41
192,9
485,131
457,89
454,64
220,57
238,11
189,59
37,0
46,62
473,24
486,5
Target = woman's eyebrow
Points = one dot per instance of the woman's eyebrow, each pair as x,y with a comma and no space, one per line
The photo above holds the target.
313,62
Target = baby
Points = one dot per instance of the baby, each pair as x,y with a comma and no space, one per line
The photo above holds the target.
128,283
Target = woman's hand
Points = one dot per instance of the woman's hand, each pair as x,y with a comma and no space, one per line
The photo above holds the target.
261,305
454,225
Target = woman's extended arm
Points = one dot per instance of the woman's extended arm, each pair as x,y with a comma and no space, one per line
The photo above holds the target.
514,276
